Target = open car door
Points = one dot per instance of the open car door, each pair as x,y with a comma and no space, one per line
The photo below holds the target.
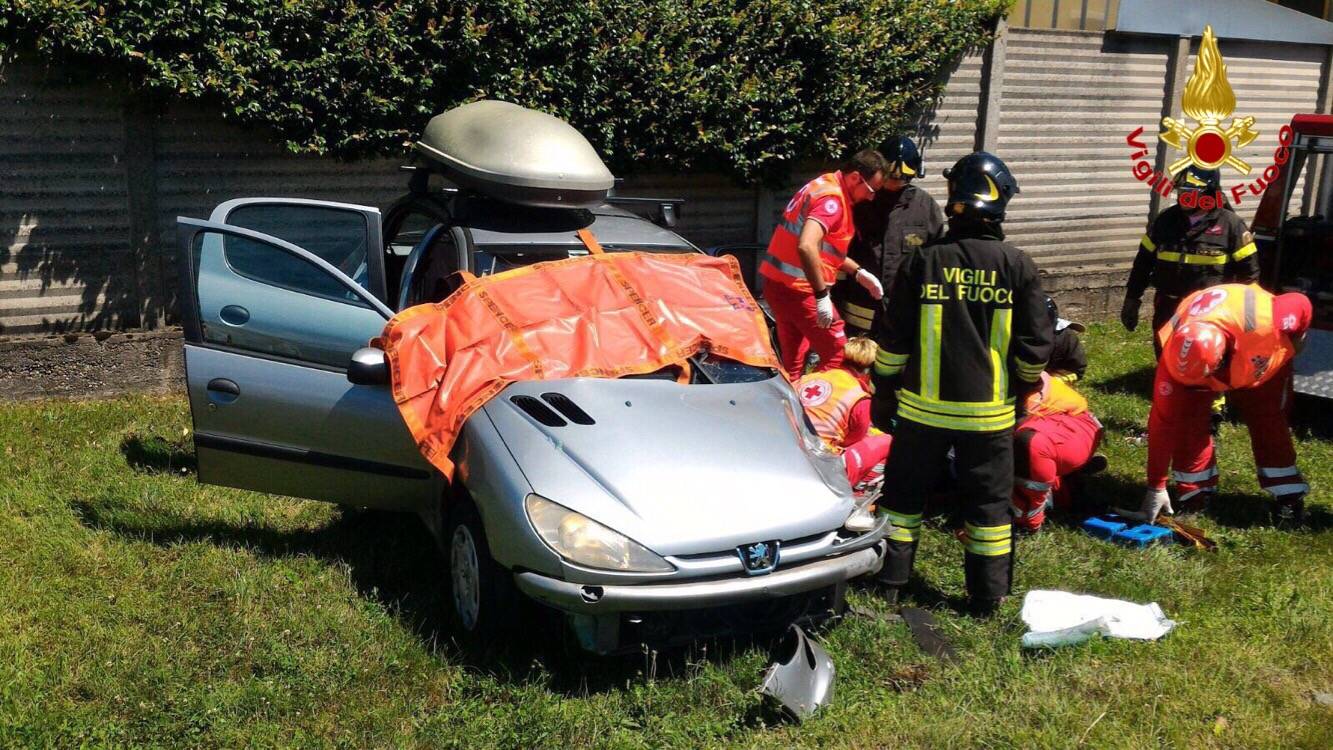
270,329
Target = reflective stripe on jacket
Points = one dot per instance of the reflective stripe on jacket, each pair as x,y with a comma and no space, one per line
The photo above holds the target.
1177,257
782,262
1245,312
964,331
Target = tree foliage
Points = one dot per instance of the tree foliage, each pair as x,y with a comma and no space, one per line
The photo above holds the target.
740,86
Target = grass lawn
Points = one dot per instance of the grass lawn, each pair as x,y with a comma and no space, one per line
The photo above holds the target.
139,608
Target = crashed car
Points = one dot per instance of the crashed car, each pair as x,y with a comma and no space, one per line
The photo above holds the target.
710,508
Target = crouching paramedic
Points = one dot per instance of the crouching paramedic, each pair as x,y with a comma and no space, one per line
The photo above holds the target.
808,248
965,333
838,404
1240,340
1057,438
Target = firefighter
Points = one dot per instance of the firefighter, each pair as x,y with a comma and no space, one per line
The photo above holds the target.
807,250
1056,439
1197,243
901,216
1237,339
963,337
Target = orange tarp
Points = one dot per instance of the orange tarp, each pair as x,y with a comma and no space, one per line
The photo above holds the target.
602,315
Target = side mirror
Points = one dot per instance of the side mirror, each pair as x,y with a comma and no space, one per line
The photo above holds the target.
368,367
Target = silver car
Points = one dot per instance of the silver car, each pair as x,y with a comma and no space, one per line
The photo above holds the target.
644,509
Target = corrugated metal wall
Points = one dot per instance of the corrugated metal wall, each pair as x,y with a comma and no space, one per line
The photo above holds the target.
1272,82
64,262
949,131
1069,100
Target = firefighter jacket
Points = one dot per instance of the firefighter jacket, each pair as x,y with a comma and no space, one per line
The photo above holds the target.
822,199
1260,348
964,333
1177,257
886,228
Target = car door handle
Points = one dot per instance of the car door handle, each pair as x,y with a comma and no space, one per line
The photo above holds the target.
223,386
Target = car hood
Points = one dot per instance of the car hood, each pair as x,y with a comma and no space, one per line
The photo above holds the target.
682,469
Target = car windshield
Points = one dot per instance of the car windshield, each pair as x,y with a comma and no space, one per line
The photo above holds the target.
489,259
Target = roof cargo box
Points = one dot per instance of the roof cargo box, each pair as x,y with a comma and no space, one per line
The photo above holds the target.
516,155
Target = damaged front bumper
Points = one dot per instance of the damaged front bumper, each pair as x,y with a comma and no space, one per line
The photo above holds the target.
591,599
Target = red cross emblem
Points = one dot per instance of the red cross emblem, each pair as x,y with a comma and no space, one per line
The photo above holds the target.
816,392
1207,301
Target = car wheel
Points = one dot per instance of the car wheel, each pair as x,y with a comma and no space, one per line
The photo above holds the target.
480,592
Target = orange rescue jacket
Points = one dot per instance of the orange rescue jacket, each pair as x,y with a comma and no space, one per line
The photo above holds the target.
828,398
782,262
1259,349
1055,396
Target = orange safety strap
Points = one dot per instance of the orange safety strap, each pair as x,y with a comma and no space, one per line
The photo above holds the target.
590,241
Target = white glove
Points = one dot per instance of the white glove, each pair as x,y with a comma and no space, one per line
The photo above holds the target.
1155,502
871,284
824,311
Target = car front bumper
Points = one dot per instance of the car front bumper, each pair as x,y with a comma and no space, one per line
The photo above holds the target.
594,599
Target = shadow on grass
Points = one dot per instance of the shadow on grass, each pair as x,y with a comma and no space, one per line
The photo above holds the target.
394,561
157,455
1135,382
1099,493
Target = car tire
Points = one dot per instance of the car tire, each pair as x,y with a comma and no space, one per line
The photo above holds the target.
479,593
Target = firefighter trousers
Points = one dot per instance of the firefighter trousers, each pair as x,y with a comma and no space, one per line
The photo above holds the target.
984,466
1045,450
1265,411
798,331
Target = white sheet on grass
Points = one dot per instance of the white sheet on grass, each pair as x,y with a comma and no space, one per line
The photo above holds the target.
1057,618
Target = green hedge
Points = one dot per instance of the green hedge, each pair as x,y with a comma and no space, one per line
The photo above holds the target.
740,87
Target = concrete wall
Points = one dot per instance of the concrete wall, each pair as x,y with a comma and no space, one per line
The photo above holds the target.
91,180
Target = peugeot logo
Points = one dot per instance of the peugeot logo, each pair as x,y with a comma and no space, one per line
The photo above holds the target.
759,558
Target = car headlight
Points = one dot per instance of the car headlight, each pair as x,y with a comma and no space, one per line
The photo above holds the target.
582,540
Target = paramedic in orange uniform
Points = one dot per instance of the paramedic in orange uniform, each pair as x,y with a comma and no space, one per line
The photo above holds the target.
808,248
1058,437
1240,340
838,404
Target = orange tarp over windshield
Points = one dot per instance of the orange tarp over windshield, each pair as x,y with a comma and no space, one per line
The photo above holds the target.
601,316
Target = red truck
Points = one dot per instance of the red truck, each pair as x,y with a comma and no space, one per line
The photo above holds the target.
1296,249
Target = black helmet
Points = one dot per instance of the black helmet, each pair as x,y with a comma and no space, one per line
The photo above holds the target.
981,185
1195,177
903,158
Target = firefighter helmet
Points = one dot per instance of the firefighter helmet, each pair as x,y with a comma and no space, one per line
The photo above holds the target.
903,158
1195,351
981,185
1197,179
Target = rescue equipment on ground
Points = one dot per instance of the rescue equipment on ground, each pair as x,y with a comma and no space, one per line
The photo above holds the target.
605,315
1059,618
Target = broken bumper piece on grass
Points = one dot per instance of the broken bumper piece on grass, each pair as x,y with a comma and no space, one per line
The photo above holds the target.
801,676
